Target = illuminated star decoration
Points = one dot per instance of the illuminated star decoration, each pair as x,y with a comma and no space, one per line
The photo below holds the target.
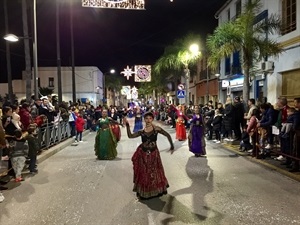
127,72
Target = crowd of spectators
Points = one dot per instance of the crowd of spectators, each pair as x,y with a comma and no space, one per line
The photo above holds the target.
253,125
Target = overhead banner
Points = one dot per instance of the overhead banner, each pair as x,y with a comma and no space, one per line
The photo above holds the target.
142,73
115,4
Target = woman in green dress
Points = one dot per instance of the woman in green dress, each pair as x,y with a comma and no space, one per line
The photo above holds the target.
105,141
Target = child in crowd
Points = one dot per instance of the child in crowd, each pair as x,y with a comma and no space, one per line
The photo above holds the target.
79,124
18,154
245,144
34,147
286,127
217,125
287,136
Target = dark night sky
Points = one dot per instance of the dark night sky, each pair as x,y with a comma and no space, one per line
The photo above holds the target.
107,38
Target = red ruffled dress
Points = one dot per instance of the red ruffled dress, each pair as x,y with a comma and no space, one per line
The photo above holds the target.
180,129
148,173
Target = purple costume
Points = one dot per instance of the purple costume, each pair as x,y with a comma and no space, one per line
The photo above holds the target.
196,137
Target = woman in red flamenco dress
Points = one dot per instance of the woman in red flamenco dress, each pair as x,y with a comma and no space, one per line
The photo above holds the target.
148,172
180,126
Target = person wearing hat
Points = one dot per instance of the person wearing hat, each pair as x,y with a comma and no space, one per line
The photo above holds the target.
148,172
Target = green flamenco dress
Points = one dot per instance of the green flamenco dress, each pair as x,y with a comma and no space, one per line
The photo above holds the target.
105,141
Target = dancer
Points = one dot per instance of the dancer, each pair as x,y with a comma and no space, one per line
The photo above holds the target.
196,135
105,141
138,122
180,125
148,172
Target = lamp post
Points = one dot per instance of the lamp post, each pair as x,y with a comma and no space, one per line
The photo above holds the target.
194,50
14,38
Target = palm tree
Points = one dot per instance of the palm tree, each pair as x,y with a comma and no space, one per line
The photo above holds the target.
113,83
247,35
178,58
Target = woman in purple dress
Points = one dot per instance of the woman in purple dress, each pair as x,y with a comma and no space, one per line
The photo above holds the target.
196,135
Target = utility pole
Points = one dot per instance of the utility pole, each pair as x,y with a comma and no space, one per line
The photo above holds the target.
59,88
72,54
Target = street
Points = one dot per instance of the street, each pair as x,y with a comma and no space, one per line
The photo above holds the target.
73,188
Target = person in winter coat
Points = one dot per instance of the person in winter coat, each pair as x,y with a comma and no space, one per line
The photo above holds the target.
216,125
228,119
79,124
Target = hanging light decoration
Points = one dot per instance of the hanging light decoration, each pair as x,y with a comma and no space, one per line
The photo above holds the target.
115,4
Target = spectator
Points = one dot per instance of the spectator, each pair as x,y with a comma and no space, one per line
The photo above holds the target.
245,144
253,132
238,118
18,155
15,118
79,123
228,120
33,148
217,125
251,106
25,116
34,108
72,119
296,137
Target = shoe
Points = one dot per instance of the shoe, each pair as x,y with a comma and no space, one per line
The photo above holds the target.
250,151
218,142
226,139
215,140
76,141
280,158
268,146
19,179
35,171
3,182
1,197
80,141
3,188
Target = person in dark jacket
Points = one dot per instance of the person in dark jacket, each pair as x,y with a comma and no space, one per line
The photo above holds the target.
238,121
217,125
266,122
245,144
228,120
34,148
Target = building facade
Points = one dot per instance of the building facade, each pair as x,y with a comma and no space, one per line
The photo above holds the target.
276,76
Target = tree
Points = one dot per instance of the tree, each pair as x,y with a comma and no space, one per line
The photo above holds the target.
247,35
45,91
177,58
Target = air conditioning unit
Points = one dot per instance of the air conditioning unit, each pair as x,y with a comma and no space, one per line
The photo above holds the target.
269,66
266,66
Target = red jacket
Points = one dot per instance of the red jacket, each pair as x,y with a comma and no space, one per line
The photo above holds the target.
79,124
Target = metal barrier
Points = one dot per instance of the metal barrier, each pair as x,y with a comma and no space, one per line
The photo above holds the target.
50,134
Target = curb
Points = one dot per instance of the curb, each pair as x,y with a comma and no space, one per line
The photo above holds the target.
57,148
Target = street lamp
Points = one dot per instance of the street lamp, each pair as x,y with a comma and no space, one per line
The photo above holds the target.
193,54
112,71
14,38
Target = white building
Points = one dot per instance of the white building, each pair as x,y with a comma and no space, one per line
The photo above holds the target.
280,76
88,83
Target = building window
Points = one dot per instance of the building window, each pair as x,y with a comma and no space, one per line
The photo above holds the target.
51,82
289,13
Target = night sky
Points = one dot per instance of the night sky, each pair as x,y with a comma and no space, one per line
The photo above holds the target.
106,38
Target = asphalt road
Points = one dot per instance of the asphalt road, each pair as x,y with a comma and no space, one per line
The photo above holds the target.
73,188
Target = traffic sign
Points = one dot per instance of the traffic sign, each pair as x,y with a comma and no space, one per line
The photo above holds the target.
180,94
